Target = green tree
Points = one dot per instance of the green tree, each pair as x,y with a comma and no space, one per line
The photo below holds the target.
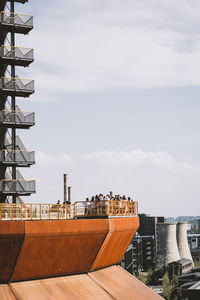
197,263
167,288
171,291
149,277
142,277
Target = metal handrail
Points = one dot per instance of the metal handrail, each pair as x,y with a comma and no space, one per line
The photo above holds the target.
16,52
16,83
17,156
17,116
9,211
16,19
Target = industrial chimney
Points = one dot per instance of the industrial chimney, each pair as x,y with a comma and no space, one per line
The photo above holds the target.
69,194
181,235
65,187
167,244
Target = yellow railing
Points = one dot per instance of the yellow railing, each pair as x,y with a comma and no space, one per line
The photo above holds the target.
25,211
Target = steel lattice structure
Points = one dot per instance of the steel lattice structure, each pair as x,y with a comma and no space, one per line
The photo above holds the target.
13,153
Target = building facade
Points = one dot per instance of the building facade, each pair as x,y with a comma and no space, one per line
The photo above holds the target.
127,261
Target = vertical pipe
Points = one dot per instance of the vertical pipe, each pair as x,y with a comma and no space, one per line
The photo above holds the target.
13,103
65,188
70,194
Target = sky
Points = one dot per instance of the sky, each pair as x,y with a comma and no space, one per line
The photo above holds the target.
117,101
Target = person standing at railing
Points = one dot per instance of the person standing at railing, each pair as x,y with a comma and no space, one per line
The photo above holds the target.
92,205
85,205
106,199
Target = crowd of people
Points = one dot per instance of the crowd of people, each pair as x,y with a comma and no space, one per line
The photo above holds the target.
101,205
108,197
108,204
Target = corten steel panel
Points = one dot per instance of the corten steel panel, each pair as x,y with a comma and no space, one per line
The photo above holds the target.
76,287
6,293
121,232
122,285
11,239
54,248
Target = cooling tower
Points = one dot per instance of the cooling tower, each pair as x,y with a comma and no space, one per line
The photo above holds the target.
181,235
167,244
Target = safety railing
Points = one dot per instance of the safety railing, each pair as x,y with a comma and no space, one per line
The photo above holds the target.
67,211
18,186
8,156
16,19
106,207
16,53
35,212
17,117
16,84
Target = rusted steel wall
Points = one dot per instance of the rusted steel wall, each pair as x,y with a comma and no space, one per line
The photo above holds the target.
109,283
11,239
121,232
54,248
39,249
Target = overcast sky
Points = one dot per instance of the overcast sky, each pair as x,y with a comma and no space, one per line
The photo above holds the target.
117,101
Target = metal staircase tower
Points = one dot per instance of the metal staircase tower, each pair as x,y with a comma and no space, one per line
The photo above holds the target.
13,153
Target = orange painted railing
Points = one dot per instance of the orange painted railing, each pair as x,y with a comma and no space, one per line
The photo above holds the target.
9,211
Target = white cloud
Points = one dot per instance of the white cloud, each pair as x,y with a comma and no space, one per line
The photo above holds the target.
98,45
137,158
46,160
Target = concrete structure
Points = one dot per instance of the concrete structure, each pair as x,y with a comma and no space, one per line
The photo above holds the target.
181,266
181,235
194,240
196,255
167,244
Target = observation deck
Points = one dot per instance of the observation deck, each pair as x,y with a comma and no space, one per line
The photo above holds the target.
17,23
16,87
16,119
17,56
78,210
42,247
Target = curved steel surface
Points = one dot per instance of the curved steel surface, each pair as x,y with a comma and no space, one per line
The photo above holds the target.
122,285
121,232
109,283
53,248
40,249
6,293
